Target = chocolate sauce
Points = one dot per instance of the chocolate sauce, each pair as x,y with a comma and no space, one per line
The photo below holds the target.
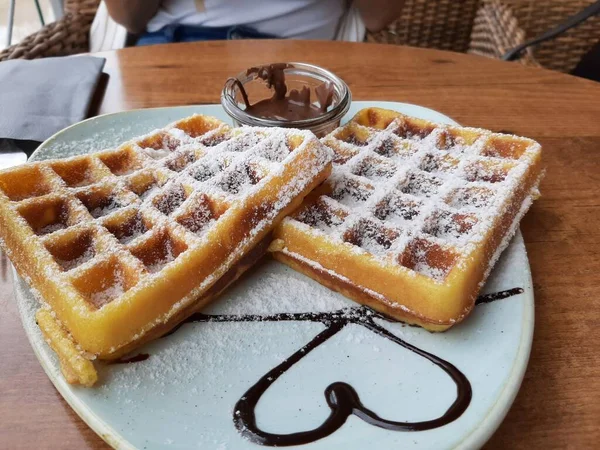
295,106
341,397
498,295
133,359
343,400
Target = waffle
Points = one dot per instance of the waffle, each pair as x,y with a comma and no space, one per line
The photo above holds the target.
414,215
123,244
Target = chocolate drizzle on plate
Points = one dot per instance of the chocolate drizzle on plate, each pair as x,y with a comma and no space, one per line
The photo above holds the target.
343,400
498,295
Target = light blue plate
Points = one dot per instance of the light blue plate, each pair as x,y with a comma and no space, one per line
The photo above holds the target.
183,395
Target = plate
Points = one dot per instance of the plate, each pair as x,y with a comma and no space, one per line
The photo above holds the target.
185,393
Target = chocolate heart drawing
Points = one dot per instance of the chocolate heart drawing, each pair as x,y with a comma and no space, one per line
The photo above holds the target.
341,397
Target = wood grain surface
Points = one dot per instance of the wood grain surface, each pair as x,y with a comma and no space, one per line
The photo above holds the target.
558,405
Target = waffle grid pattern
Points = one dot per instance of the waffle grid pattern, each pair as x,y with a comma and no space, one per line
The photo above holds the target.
414,214
420,196
104,225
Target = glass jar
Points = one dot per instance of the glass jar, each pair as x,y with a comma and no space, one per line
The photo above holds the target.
297,76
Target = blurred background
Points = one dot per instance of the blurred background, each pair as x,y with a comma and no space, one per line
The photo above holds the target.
569,29
26,19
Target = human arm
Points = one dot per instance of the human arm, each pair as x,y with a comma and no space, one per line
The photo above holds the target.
377,14
134,15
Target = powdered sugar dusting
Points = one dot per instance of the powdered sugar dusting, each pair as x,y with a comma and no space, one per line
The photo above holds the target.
69,264
409,190
48,229
179,182
107,295
333,274
272,287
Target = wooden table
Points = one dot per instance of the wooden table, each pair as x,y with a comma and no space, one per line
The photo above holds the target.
559,402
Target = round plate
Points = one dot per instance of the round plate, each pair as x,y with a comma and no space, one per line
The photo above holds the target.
184,394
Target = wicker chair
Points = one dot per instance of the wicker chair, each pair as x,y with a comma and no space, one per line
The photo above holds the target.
67,36
492,27
442,24
502,25
484,27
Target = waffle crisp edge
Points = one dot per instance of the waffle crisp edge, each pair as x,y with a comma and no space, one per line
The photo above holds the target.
336,260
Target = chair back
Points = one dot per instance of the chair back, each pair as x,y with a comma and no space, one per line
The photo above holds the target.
496,31
81,6
564,52
67,36
442,24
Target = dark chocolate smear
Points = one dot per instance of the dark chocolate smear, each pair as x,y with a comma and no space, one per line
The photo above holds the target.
498,295
283,106
343,400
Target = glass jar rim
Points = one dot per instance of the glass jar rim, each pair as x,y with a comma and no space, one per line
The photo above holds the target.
230,105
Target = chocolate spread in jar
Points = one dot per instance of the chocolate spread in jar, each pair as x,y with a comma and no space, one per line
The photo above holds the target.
283,106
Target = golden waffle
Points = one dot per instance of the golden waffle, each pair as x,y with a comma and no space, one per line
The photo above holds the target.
123,244
414,215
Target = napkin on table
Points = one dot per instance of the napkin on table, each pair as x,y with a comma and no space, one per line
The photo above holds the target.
42,96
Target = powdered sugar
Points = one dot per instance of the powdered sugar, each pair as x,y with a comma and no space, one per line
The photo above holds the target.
51,228
93,143
445,185
272,287
159,263
69,264
104,210
107,295
333,274
156,153
164,195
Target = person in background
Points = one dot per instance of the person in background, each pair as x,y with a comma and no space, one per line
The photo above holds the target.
165,21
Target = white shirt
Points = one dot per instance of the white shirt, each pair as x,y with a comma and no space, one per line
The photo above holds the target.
300,19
